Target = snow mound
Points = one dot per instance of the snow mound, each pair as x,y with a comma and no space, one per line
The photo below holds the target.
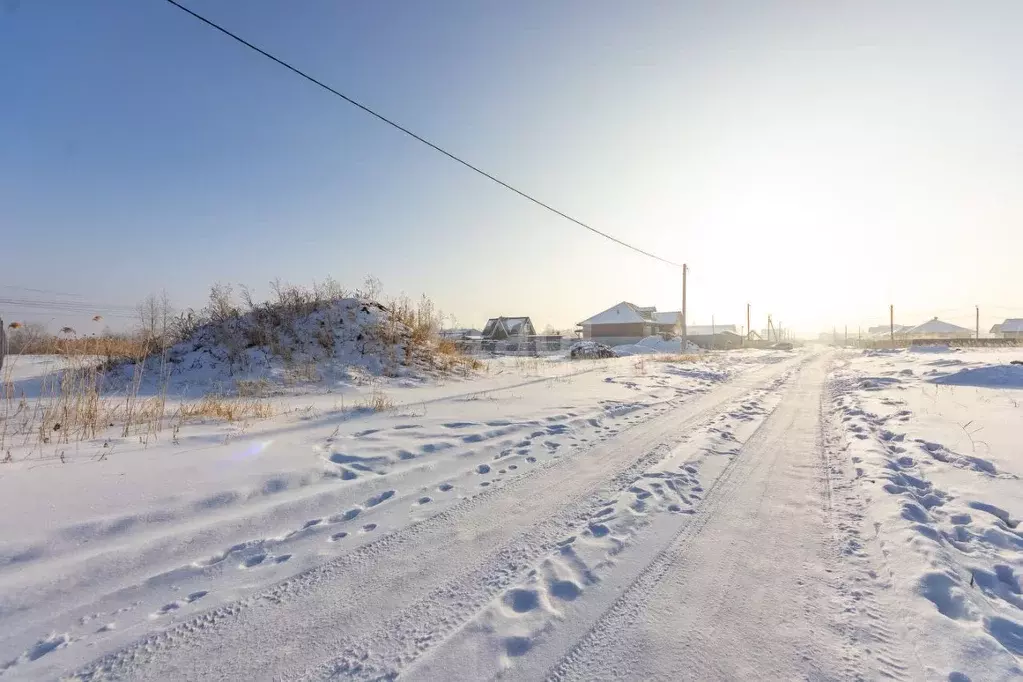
591,350
344,339
991,376
936,348
656,344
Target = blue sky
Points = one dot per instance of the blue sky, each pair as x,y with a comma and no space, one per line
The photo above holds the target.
817,159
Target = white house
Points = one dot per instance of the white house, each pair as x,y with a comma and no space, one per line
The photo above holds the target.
628,323
936,329
1010,329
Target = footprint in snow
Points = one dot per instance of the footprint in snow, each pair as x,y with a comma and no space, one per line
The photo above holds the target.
253,561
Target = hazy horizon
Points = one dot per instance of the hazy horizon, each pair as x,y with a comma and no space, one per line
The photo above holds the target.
819,161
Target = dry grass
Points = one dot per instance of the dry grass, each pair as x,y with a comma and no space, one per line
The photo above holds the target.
226,409
34,340
377,401
70,406
301,372
675,357
253,388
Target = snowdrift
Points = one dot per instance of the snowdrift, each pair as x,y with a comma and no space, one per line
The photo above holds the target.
991,376
656,344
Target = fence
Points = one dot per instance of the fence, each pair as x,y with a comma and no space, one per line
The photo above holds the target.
530,345
951,343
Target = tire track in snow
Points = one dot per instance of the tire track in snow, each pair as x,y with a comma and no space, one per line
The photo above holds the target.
496,569
697,586
630,603
426,624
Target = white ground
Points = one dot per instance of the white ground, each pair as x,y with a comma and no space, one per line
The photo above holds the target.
751,515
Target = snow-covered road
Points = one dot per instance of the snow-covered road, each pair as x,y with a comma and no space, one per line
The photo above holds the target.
381,609
710,520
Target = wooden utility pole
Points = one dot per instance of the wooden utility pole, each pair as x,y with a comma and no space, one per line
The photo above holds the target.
749,328
685,334
978,322
891,323
770,327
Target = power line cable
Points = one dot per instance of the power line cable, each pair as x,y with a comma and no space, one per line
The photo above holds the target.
85,305
39,291
417,137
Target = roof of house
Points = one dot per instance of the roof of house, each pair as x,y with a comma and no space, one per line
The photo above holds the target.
1013,325
709,329
623,313
886,329
936,326
512,325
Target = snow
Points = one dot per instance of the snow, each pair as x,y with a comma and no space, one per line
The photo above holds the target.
991,376
124,539
934,446
751,514
656,344
348,341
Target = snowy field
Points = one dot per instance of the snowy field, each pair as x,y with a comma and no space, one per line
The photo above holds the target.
743,515
934,442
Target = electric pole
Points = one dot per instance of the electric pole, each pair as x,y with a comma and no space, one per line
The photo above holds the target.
685,335
891,323
749,329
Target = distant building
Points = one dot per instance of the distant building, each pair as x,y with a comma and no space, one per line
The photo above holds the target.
1010,329
627,323
460,334
936,329
883,329
721,337
508,329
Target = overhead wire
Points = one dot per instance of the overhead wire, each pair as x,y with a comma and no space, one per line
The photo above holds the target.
417,137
